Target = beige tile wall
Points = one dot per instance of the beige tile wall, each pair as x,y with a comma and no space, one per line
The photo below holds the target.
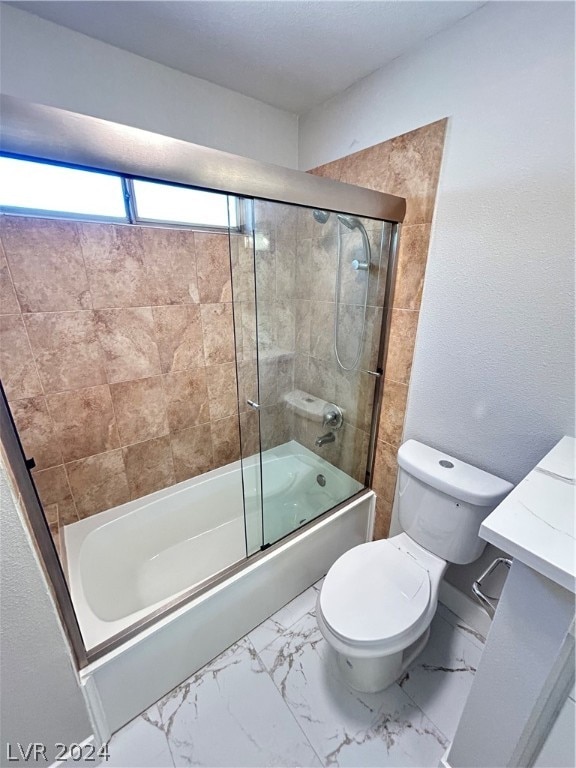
409,166
317,370
263,267
117,357
295,279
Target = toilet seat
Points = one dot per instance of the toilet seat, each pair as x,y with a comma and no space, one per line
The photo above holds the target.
375,595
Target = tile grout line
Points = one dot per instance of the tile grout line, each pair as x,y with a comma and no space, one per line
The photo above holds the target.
63,465
48,411
467,633
169,433
306,613
118,435
453,629
424,713
120,307
285,703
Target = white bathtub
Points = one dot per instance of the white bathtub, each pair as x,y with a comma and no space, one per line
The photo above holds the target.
130,561
125,681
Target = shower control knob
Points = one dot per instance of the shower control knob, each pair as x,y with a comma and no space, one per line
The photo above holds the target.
332,416
360,265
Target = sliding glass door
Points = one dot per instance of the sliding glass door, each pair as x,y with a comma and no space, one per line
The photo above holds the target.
308,304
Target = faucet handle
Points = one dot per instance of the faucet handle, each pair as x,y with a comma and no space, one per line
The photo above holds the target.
332,416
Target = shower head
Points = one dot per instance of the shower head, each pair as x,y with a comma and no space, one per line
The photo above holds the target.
321,216
349,221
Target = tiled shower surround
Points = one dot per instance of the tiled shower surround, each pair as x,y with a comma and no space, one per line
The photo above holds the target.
295,280
118,349
117,357
408,166
294,283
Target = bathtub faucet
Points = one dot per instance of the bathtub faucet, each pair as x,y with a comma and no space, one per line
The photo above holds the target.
323,439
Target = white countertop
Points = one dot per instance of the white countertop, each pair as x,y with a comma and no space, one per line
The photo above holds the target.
536,522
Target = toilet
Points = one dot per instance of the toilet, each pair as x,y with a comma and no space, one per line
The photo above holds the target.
378,599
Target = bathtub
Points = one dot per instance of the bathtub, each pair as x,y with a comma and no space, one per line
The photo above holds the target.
127,565
130,561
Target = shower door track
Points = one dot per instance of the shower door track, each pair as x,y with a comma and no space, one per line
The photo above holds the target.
35,130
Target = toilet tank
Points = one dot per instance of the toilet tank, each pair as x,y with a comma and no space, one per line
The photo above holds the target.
442,501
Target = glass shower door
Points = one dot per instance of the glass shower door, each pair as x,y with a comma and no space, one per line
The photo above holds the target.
245,333
319,287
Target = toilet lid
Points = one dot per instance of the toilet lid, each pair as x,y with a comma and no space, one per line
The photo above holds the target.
374,592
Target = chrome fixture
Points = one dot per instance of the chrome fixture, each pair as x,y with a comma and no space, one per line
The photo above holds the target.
323,439
332,416
486,601
321,216
351,223
253,405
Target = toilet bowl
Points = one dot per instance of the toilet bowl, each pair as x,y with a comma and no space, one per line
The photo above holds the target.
378,599
375,609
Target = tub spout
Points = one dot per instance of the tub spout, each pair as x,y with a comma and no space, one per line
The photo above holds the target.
323,439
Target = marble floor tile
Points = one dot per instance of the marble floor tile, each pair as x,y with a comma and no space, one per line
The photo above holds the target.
347,728
140,744
275,699
231,714
279,622
440,678
476,637
266,633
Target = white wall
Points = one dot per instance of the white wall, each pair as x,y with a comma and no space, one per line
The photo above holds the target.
492,380
45,63
41,699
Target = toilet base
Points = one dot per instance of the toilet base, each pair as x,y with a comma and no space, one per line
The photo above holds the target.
376,674
369,675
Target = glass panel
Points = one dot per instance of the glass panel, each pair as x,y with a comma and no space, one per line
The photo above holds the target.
244,303
41,187
320,283
159,510
181,205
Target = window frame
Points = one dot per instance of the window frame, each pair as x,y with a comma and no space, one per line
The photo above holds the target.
131,216
131,202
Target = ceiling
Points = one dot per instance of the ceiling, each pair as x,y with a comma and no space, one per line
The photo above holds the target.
293,54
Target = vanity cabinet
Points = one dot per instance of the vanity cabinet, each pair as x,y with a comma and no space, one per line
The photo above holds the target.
518,709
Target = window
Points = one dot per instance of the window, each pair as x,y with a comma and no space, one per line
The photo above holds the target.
39,188
155,201
44,188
